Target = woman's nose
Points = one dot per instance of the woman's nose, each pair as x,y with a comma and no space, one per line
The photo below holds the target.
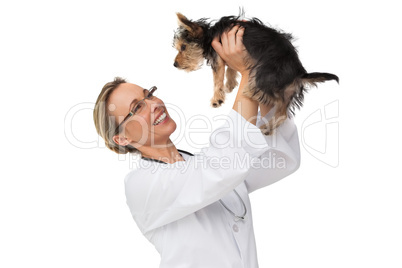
154,105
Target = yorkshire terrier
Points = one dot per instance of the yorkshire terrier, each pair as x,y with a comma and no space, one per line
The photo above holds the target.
277,76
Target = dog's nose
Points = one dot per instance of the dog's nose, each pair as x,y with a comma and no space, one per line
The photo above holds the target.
175,64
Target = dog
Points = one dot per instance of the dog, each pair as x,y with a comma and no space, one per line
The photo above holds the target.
277,77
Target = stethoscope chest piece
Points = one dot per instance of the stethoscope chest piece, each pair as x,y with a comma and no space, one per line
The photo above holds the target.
236,217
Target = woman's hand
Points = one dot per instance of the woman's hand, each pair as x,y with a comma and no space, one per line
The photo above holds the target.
235,55
232,50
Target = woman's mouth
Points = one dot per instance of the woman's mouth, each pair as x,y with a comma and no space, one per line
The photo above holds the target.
161,119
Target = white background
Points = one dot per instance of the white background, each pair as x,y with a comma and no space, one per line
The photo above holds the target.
62,200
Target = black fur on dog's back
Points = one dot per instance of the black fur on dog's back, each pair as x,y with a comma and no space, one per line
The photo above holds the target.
270,49
274,60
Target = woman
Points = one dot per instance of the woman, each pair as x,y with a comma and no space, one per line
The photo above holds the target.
195,209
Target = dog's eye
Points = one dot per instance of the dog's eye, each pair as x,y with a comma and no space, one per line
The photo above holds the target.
183,47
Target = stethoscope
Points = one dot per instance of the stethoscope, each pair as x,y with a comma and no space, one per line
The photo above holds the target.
237,217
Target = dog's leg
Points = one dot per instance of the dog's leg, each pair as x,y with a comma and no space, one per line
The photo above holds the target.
218,70
278,118
231,81
282,104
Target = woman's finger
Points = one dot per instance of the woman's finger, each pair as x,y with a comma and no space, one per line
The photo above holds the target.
232,38
239,39
225,42
217,45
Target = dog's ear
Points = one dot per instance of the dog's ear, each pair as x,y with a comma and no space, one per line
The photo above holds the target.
193,28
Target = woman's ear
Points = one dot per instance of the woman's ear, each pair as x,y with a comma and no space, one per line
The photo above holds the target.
120,140
123,141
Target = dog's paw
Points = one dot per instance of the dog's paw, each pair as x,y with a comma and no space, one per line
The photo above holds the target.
215,103
267,131
219,97
230,85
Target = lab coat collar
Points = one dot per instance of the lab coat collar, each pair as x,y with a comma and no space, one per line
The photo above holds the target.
159,161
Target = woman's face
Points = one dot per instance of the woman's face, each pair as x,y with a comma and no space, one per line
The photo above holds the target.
141,129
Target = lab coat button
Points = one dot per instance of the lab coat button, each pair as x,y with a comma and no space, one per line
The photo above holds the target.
235,228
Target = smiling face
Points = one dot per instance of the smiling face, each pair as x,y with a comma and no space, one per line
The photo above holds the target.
151,127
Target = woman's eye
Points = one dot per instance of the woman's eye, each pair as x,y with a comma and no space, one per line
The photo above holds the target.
138,107
183,47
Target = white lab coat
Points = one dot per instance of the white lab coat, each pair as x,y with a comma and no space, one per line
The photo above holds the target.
177,208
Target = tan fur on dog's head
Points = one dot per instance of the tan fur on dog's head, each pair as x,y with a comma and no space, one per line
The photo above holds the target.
193,28
187,41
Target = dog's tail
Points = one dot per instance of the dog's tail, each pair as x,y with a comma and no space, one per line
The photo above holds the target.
296,100
313,78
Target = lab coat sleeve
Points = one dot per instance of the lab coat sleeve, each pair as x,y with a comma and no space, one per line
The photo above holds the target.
280,160
162,193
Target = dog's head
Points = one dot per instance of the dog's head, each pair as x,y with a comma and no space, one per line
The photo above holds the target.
188,41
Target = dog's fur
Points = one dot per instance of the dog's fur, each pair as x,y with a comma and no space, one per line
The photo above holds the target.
277,76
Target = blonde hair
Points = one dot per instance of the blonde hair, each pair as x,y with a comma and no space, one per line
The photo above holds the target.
105,124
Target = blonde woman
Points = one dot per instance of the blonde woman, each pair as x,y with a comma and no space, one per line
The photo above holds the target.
195,209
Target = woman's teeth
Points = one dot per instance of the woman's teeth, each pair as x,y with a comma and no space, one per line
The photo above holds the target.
160,119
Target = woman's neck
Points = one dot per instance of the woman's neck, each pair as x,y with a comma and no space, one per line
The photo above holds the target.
167,154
